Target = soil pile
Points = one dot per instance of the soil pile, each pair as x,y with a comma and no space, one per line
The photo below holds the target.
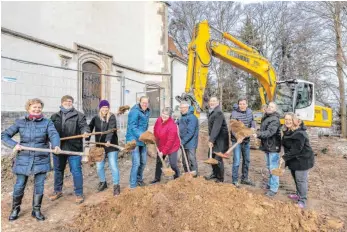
194,204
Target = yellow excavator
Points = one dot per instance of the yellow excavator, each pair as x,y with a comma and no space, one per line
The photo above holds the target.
290,95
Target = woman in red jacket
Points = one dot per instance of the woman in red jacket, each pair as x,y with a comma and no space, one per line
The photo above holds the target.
165,131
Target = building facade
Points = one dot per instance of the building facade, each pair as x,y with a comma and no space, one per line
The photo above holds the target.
89,50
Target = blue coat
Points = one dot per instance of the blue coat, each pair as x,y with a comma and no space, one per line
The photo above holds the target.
137,124
33,133
189,129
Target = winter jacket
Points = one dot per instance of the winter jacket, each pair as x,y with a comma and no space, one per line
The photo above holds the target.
75,123
189,129
100,126
137,124
167,136
218,130
298,153
246,117
33,133
270,133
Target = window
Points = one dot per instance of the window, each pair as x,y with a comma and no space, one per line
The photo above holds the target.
284,97
304,95
325,115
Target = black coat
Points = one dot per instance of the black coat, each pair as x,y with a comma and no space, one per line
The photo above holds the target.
75,124
298,153
218,130
270,133
100,126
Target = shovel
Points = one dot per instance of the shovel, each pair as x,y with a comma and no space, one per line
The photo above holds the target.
89,134
227,153
278,171
128,147
86,155
211,160
148,137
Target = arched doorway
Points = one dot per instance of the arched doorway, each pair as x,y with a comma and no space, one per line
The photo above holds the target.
91,88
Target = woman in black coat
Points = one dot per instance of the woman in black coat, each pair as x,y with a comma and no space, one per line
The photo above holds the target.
298,156
104,121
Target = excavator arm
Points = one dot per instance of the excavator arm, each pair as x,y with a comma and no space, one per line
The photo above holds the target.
200,52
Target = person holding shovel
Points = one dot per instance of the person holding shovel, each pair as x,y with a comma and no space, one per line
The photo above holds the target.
270,136
218,138
168,142
244,114
189,134
138,119
69,122
105,121
298,156
35,131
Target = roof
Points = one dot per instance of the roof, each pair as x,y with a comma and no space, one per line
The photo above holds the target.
173,48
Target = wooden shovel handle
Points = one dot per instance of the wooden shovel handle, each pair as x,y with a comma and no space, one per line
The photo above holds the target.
111,145
49,150
89,134
160,157
231,149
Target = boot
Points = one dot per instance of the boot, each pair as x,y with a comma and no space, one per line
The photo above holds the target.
102,186
36,213
16,202
116,190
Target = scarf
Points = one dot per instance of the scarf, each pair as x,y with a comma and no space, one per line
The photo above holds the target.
34,116
64,110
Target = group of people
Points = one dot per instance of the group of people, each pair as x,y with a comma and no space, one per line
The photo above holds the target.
171,135
298,154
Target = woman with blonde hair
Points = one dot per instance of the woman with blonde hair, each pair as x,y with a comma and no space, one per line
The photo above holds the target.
105,121
298,155
35,131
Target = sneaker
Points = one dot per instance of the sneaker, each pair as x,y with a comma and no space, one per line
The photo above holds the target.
141,183
55,196
293,197
270,193
301,205
247,182
116,190
236,184
210,177
79,199
102,186
219,180
155,181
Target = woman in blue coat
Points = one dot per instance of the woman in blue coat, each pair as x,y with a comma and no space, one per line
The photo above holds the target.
34,131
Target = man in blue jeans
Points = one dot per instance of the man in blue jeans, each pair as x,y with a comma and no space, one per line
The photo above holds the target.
270,136
69,122
242,113
189,134
138,119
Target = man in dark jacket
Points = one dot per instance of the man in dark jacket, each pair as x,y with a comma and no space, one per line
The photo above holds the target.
69,122
270,136
244,114
189,134
218,138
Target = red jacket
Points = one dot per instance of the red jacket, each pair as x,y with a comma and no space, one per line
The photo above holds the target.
167,136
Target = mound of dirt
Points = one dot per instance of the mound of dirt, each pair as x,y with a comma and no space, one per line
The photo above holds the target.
194,204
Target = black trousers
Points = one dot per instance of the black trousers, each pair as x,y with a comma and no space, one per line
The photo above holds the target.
173,159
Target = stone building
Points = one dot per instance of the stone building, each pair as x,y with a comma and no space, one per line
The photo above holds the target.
90,50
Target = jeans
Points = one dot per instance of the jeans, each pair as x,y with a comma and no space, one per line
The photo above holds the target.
244,149
173,158
39,183
113,164
139,160
59,163
272,162
301,183
191,157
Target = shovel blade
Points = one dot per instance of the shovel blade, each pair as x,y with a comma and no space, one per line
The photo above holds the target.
168,171
211,161
277,172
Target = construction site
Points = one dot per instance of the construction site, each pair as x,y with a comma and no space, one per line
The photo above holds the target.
177,61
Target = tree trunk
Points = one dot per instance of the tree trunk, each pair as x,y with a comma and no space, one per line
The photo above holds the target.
339,64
